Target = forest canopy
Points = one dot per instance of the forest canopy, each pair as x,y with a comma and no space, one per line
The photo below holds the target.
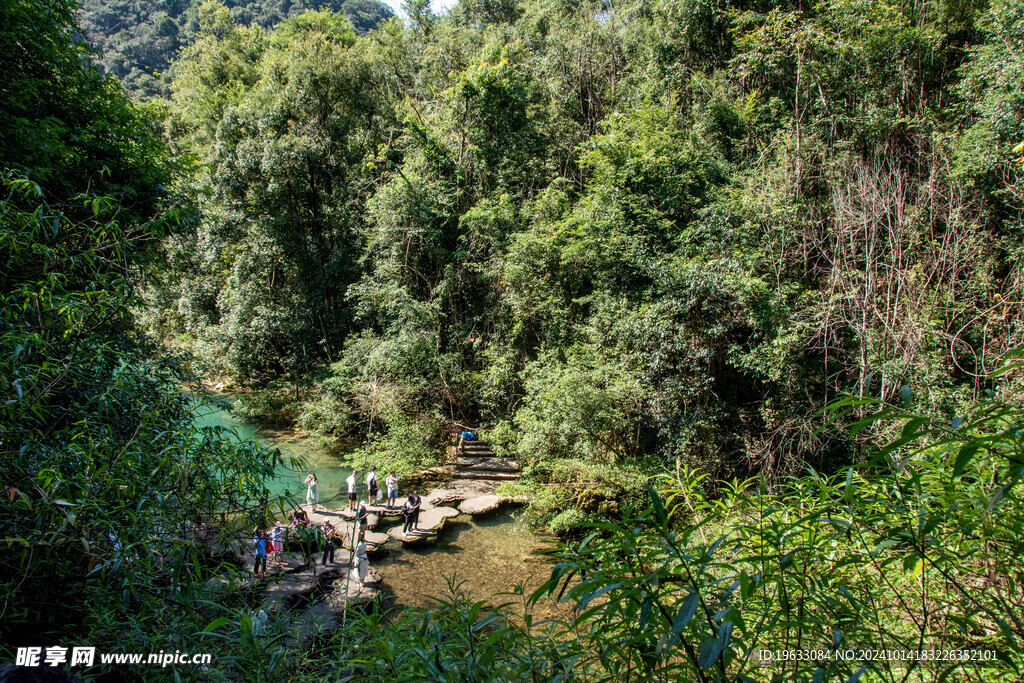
636,235
137,40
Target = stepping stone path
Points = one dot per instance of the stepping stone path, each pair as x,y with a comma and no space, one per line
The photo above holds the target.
432,520
314,598
478,471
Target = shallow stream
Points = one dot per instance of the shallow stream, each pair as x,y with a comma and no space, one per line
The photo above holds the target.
491,555
488,556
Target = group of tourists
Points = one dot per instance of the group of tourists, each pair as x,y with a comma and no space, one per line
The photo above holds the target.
311,538
410,509
375,494
324,538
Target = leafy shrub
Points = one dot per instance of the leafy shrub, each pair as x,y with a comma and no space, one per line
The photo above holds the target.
919,552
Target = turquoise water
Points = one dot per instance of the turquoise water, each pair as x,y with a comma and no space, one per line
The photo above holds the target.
331,467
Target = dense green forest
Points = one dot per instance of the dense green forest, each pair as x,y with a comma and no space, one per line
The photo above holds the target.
625,238
744,274
138,39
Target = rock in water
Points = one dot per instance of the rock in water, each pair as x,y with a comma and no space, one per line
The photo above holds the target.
481,505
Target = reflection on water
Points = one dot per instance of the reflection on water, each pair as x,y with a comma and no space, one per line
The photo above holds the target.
491,555
331,467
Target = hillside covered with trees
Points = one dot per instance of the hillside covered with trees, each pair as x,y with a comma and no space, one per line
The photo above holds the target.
138,39
626,237
736,283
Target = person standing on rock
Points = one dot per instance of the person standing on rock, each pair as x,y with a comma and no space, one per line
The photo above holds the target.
371,483
363,516
411,511
329,535
362,562
352,496
260,541
392,483
277,543
311,493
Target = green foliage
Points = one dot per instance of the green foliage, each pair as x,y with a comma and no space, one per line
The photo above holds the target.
287,125
103,472
672,230
458,638
104,475
916,552
634,239
62,124
137,40
384,388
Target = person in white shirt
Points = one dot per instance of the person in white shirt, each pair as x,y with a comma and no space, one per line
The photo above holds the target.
352,490
392,484
362,563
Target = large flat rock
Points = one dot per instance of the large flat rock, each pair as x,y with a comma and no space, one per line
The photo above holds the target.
296,590
485,474
372,519
482,504
496,464
412,537
355,595
383,511
458,490
445,497
433,518
431,522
